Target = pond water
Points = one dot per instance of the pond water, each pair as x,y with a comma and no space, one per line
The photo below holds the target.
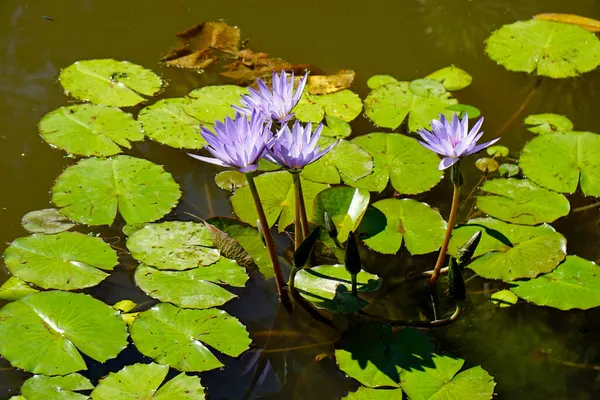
533,352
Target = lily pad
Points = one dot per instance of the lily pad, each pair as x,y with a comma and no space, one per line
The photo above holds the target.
487,164
193,288
346,207
508,251
230,180
173,245
411,167
40,387
389,105
465,109
329,287
427,87
497,151
573,284
66,261
548,123
109,82
48,220
443,381
364,393
177,337
504,298
346,159
521,201
90,130
61,324
15,289
560,161
336,127
545,48
213,103
142,381
508,170
345,105
91,191
167,122
421,227
276,191
452,77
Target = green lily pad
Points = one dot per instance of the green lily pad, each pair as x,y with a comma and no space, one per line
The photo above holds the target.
213,103
346,207
346,159
508,251
443,381
193,288
465,109
90,130
66,261
560,161
487,164
91,191
497,151
376,357
48,220
344,104
230,180
573,284
508,170
427,87
329,287
15,289
545,48
504,298
411,167
364,393
421,227
520,201
452,77
109,82
380,80
40,387
548,123
176,336
389,105
61,324
276,191
167,122
336,127
142,381
173,245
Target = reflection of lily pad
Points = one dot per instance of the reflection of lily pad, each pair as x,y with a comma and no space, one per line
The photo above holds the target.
176,336
48,220
548,123
346,159
15,289
345,105
346,207
40,387
213,103
91,191
546,48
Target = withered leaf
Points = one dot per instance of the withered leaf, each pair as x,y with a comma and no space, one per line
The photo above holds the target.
250,65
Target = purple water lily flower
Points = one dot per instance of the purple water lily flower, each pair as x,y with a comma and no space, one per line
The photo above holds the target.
295,148
238,143
452,140
276,105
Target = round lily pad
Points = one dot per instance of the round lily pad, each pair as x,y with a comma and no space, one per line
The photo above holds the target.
15,289
66,261
545,48
109,82
508,170
230,180
346,207
329,287
421,227
193,288
508,251
504,298
411,167
344,104
173,245
176,336
364,393
336,127
61,324
452,77
48,220
90,130
345,160
213,103
548,123
91,191
144,381
497,151
573,284
40,387
487,164
521,201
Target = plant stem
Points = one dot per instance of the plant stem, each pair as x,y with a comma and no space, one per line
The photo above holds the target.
300,202
584,208
298,236
354,285
419,324
279,280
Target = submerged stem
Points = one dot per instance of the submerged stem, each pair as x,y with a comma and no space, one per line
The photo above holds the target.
300,202
517,113
419,324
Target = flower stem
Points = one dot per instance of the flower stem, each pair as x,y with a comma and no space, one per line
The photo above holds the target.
279,280
300,203
298,236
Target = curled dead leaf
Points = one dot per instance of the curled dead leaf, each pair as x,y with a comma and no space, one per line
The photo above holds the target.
590,24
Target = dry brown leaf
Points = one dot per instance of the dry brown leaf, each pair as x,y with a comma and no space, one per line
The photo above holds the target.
251,65
590,24
324,84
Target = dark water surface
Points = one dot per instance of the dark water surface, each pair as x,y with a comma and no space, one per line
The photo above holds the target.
533,352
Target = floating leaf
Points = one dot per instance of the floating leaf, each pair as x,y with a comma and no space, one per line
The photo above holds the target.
573,284
176,336
452,77
40,387
364,393
465,109
61,325
15,289
276,191
346,159
559,161
486,164
173,245
142,381
336,127
509,251
380,80
345,105
389,105
213,103
504,298
346,207
230,180
90,130
508,169
90,191
442,381
325,84
411,167
421,227
548,123
66,261
329,287
589,24
109,82
520,201
545,48
48,220
497,151
427,88
167,122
